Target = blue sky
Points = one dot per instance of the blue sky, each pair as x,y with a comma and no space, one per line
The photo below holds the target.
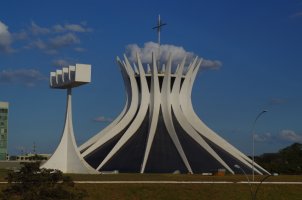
253,49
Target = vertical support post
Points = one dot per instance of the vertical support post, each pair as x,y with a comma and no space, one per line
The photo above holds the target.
253,143
158,32
67,157
158,27
68,120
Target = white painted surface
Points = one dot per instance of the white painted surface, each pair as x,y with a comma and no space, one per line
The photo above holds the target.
71,76
176,99
67,157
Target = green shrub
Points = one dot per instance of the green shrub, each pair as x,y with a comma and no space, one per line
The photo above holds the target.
33,183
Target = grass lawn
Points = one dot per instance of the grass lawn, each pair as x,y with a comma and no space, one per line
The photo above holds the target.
190,191
187,191
183,191
178,177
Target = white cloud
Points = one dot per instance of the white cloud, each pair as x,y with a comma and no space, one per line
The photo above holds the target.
48,39
37,30
75,28
177,52
5,39
211,64
290,135
283,136
102,119
28,77
64,40
263,137
295,15
60,63
58,28
53,44
79,49
71,27
39,44
277,101
22,35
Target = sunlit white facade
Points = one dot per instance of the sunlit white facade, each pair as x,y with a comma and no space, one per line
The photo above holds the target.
158,130
67,157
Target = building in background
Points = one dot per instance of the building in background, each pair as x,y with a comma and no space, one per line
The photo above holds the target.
3,130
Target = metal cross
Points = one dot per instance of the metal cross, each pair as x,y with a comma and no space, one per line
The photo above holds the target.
158,28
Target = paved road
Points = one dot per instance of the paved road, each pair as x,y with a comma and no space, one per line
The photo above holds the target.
185,182
180,182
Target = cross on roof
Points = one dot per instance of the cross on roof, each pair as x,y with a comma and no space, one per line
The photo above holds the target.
158,28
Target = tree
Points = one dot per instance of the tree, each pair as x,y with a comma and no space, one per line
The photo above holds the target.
37,157
286,161
33,183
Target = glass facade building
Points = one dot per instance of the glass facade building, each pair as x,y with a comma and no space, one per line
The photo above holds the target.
3,130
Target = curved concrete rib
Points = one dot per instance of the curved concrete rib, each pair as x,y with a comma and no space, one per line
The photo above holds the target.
108,128
235,149
145,96
167,115
182,120
170,98
186,105
154,111
127,118
196,122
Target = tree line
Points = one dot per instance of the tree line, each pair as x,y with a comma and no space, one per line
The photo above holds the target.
285,161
